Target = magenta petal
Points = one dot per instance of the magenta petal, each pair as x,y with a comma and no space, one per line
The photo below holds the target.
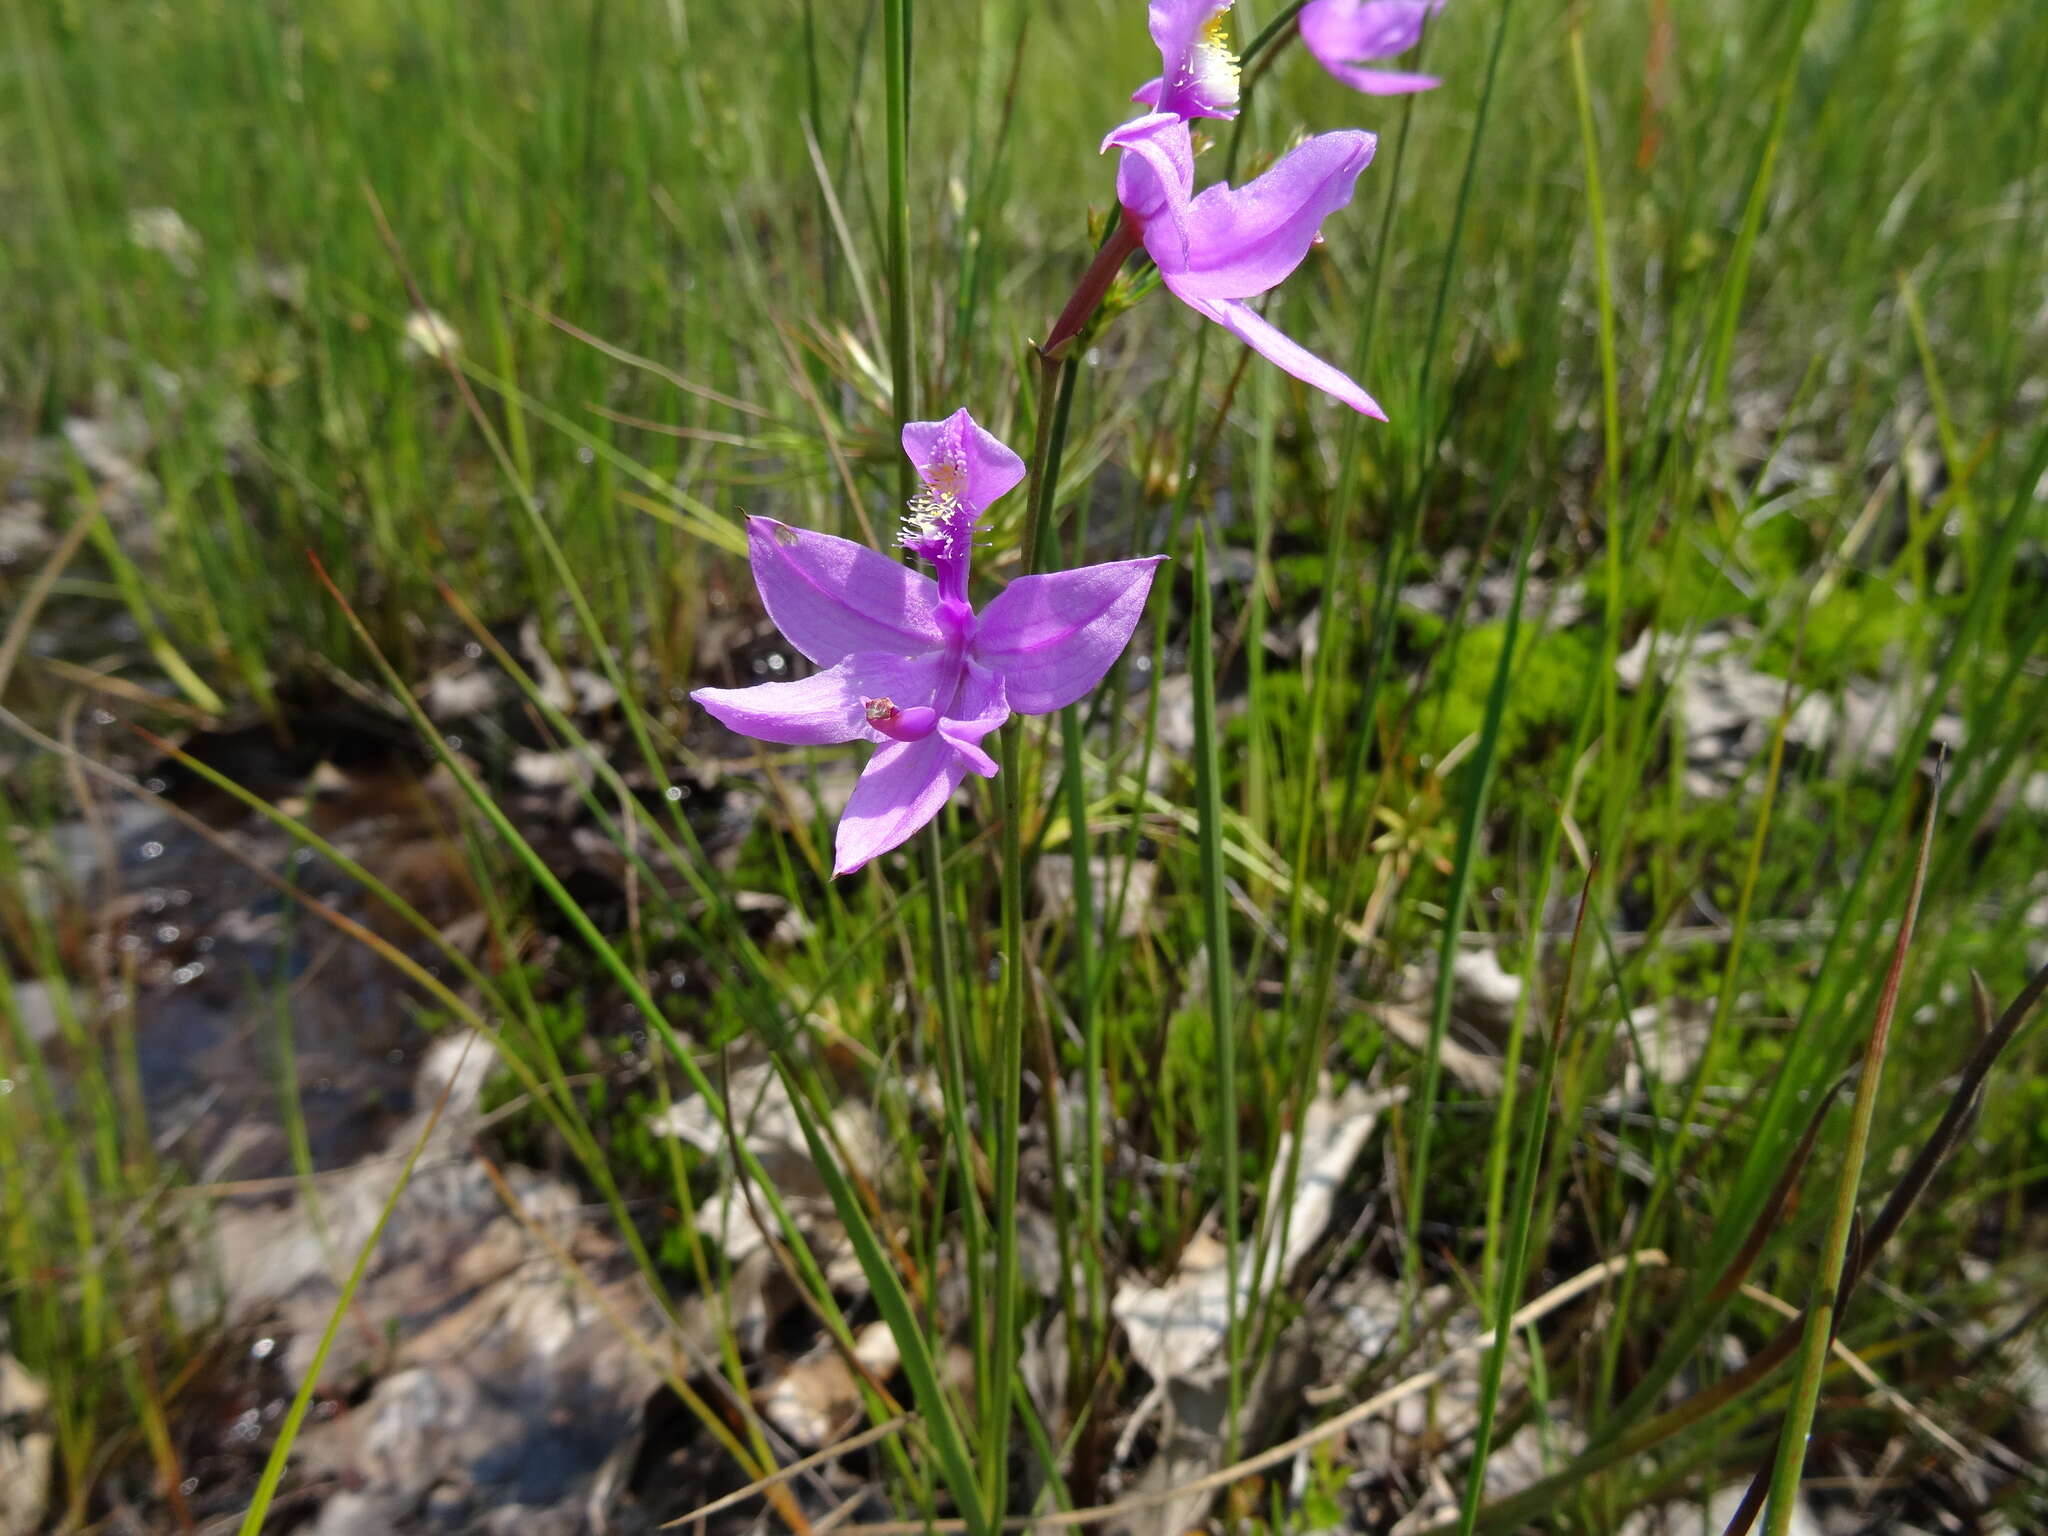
959,458
1382,82
902,788
833,597
830,707
1243,322
1356,31
1199,72
980,708
1155,180
1176,24
1053,637
813,712
1244,240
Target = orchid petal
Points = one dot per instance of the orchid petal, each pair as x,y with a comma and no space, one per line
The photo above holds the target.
902,788
1175,24
812,712
830,706
1199,77
1052,637
959,458
1244,240
1155,180
1383,82
1354,31
1266,339
981,707
832,597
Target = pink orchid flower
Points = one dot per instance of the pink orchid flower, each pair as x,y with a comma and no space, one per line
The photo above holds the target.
1230,244
1198,72
1346,34
907,662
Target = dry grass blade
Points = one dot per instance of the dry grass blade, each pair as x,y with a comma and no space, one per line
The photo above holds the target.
1955,1119
648,365
39,590
782,1475
1841,1253
1871,1379
1765,1362
1767,1219
1379,1403
121,688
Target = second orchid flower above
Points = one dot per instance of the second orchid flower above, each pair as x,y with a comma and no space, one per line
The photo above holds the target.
1220,247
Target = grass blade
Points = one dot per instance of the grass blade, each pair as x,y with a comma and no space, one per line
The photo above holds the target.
1528,1167
1821,1313
1216,939
1478,778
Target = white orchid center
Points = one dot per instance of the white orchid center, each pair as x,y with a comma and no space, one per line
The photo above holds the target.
1213,67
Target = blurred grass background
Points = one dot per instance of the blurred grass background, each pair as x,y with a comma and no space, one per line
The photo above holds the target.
1774,394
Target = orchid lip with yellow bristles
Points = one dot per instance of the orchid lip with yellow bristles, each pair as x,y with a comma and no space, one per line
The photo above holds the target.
908,663
1198,74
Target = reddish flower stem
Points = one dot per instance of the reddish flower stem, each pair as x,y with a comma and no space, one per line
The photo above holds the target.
1102,271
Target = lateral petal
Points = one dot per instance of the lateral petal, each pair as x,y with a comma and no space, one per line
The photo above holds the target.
1266,339
1383,82
833,597
1155,181
812,712
1052,637
1244,240
902,788
829,707
1340,32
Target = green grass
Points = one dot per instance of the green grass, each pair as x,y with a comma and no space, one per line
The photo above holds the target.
1719,319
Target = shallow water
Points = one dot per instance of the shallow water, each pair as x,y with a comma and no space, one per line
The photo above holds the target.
244,1002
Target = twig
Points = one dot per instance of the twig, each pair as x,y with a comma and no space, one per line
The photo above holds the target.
1330,1428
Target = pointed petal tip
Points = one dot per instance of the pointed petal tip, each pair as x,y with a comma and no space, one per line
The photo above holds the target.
903,786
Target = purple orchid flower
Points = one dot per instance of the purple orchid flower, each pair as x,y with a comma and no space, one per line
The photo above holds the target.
1198,72
1346,34
908,664
1233,243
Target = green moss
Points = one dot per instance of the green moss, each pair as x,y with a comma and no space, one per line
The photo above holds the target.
1546,688
1859,629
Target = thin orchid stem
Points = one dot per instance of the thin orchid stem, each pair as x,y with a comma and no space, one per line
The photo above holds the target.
1273,34
1118,244
1829,1291
896,74
1038,489
1008,1115
1054,399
